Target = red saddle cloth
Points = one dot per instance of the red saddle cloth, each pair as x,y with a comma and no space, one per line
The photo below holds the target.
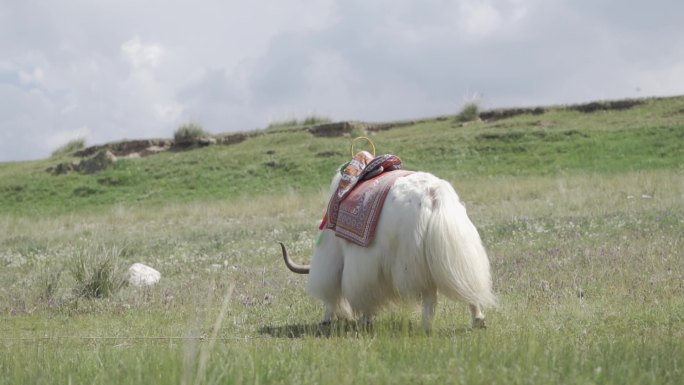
353,213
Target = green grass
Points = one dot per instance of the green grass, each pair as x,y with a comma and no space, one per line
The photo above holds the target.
649,136
582,216
590,288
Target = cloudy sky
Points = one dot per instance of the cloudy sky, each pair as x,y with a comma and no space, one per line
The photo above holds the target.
105,70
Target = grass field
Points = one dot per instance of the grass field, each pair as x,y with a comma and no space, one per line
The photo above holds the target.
582,215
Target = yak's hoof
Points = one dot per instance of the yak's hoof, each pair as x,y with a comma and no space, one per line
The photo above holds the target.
479,323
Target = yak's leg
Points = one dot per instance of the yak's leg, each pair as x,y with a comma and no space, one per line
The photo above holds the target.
341,311
367,320
329,314
478,317
429,306
325,276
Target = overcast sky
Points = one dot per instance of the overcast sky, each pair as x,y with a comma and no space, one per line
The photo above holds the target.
109,70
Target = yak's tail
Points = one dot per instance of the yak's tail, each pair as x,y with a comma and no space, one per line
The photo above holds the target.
456,258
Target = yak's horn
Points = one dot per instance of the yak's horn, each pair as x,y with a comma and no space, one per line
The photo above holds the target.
292,265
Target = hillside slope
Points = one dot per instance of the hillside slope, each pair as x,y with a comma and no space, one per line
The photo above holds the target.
605,138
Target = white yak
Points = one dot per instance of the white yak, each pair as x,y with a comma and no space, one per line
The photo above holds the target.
424,244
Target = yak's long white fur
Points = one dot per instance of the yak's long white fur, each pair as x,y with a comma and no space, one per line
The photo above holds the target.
456,258
424,243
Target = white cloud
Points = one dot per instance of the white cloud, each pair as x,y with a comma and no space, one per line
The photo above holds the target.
479,18
34,76
144,85
169,112
116,70
141,55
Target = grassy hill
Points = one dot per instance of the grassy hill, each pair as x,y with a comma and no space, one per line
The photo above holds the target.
561,140
581,210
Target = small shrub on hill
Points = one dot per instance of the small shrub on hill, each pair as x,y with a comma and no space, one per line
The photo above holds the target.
69,148
283,124
469,113
188,132
314,119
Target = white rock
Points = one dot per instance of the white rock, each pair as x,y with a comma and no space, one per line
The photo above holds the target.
142,275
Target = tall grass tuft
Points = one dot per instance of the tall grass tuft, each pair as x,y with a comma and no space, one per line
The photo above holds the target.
283,124
48,284
294,122
97,273
69,148
315,119
189,132
469,113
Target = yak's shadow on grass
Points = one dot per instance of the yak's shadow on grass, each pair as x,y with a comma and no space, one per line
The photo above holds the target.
333,329
356,329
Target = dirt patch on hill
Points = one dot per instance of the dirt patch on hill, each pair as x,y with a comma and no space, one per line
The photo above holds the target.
506,113
97,158
127,148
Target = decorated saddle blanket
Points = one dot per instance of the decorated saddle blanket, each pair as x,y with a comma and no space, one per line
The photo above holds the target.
354,209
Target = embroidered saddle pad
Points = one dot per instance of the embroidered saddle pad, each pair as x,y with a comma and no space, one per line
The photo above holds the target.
355,208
